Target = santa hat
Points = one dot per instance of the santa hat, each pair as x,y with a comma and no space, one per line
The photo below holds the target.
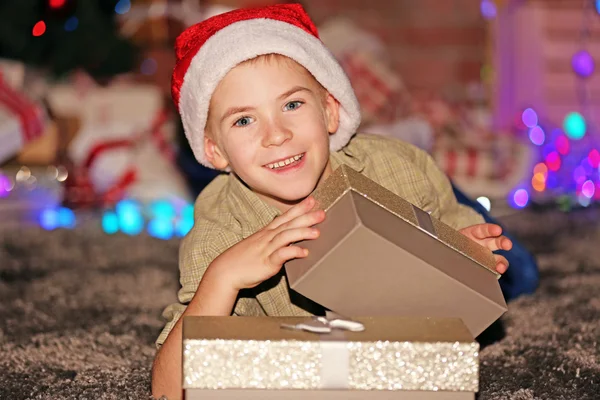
207,51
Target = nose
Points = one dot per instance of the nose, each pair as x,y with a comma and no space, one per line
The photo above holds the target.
276,134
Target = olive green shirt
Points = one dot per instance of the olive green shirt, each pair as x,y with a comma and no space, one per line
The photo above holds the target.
227,212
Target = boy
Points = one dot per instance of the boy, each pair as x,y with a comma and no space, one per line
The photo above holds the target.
261,97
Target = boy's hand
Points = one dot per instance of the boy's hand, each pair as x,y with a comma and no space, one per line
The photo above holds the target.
490,236
261,256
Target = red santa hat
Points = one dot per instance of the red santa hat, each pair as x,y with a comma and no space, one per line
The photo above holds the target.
207,51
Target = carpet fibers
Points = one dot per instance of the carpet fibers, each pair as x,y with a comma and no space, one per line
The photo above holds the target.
80,310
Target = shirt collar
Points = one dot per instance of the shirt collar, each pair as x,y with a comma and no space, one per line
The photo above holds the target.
253,213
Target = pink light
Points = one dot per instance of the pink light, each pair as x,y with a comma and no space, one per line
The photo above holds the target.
562,145
594,158
588,189
553,161
537,136
521,198
579,175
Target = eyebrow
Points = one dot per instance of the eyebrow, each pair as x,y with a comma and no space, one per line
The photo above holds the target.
292,91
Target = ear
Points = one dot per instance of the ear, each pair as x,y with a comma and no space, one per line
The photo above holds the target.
332,114
214,154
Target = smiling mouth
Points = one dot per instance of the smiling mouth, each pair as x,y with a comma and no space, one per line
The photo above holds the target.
285,163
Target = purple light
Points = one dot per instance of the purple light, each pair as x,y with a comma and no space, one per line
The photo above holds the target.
488,9
521,198
530,118
583,64
4,186
551,181
579,175
588,189
537,136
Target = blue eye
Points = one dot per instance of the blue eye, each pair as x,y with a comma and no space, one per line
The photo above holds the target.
293,105
244,121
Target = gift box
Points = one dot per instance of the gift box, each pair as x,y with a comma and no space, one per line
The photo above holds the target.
378,254
391,357
21,121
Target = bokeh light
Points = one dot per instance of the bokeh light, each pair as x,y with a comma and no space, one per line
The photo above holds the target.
149,66
5,185
110,222
66,217
57,3
588,188
161,228
39,29
488,9
123,6
575,126
49,219
130,217
537,135
553,161
579,175
538,182
562,145
594,158
521,198
529,118
71,24
583,64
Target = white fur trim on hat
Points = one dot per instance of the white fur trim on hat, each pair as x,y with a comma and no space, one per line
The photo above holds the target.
248,39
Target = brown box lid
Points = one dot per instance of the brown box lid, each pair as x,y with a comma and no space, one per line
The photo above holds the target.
380,255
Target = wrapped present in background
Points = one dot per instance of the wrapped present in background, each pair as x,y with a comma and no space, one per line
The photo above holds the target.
21,120
403,261
299,358
124,146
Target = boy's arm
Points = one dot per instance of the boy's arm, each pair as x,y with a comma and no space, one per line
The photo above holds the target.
445,207
214,297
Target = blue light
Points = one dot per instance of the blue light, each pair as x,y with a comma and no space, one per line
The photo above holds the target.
188,212
71,24
598,6
49,219
162,209
123,6
130,217
161,228
183,226
488,9
66,217
149,66
110,222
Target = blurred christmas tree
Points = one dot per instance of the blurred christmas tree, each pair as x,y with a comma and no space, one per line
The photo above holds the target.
63,35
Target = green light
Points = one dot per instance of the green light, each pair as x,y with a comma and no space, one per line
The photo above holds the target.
574,125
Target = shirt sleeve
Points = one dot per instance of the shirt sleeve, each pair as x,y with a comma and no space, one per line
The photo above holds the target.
205,242
445,207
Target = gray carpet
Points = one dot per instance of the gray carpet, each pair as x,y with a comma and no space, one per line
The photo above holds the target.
79,312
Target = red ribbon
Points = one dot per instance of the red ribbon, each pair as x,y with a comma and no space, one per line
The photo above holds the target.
26,111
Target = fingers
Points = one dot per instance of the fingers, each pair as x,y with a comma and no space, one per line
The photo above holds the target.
501,263
305,220
497,243
483,231
289,236
283,254
297,210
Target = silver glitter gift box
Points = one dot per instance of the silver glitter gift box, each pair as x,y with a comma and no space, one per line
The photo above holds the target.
393,357
378,254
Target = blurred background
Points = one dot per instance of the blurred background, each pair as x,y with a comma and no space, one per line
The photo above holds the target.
502,93
97,182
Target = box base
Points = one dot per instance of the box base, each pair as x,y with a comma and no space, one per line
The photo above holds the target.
257,394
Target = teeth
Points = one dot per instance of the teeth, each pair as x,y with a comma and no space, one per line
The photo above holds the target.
284,162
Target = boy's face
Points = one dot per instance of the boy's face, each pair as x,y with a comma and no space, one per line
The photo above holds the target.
270,121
